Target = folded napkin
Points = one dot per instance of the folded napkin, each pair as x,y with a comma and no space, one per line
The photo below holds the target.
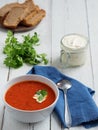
81,104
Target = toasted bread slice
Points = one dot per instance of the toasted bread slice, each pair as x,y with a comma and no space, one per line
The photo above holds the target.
14,17
17,14
37,16
35,11
30,5
5,9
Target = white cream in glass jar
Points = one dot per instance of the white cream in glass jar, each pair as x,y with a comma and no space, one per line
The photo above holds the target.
73,50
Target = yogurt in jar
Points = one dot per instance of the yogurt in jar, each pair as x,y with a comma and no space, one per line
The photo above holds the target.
73,50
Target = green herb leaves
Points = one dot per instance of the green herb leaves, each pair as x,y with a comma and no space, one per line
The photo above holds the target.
40,96
18,53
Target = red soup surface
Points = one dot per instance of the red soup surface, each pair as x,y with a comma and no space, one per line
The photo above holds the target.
20,95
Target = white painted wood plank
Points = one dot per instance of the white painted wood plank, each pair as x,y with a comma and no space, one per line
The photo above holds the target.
10,123
43,125
92,7
3,75
1,113
55,122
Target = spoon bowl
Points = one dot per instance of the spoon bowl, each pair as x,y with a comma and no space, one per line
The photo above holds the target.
64,84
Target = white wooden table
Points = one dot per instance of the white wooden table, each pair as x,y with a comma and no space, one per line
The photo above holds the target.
62,17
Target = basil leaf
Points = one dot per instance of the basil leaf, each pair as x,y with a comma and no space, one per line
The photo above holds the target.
40,95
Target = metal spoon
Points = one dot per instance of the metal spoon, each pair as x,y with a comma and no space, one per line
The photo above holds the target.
65,85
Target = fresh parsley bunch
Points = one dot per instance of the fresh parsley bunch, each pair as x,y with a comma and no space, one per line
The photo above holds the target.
18,53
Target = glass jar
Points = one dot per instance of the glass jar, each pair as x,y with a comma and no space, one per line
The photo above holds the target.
73,50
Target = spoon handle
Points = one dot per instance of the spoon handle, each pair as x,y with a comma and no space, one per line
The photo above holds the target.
68,119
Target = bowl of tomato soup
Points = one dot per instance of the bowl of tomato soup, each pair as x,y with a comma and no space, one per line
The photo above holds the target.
30,98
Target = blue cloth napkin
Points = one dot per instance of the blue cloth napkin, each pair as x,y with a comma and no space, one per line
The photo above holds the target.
82,107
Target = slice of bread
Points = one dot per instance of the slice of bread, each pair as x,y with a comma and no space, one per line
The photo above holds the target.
35,11
34,18
17,14
5,9
14,17
30,5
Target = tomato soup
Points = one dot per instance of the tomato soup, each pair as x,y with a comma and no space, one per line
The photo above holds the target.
21,94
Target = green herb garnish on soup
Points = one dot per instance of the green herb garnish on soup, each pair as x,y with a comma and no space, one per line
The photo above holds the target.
40,96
